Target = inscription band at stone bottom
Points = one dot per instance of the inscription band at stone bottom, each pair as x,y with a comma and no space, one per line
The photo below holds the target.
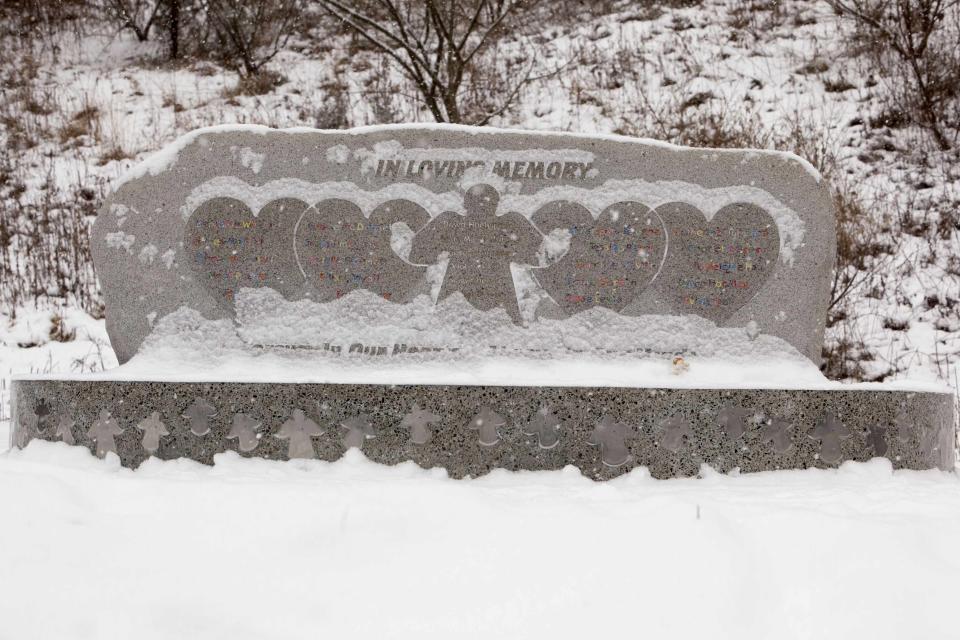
470,430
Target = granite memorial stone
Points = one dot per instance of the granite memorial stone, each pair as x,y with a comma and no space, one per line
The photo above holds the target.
412,245
540,226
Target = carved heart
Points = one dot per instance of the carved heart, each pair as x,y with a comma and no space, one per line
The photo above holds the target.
231,248
339,250
715,267
610,259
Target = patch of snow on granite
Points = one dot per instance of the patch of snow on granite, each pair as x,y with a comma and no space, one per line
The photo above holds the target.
248,158
121,240
337,154
361,317
790,226
148,253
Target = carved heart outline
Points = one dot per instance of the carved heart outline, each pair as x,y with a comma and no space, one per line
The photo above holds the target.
266,233
589,238
393,277
232,248
675,288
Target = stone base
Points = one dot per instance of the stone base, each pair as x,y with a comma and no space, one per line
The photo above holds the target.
470,430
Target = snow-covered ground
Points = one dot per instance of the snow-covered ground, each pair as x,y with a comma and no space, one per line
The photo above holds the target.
257,549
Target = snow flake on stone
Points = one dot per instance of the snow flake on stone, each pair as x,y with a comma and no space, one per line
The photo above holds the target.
248,158
121,240
338,154
148,253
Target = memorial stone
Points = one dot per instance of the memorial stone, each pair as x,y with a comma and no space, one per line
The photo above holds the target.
542,226
459,246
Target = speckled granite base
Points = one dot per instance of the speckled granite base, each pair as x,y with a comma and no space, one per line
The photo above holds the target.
471,430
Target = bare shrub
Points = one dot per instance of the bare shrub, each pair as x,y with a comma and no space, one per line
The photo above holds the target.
250,33
40,20
138,16
915,44
45,245
258,84
333,109
720,126
59,331
865,242
861,243
441,47
83,122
